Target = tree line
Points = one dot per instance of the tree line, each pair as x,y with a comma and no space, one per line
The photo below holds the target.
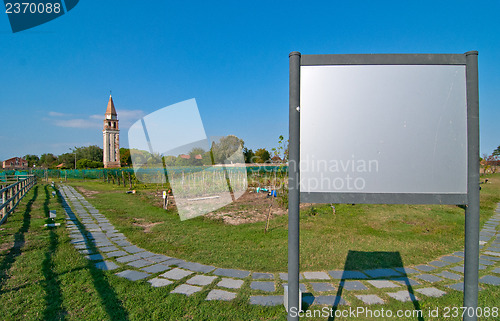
219,152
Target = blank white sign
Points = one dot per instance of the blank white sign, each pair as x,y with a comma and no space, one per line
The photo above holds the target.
383,129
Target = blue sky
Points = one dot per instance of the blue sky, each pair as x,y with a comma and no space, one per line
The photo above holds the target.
232,56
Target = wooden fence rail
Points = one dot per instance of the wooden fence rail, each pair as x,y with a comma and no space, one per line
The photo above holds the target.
11,195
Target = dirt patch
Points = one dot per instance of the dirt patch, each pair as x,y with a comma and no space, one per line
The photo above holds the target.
147,226
86,192
6,246
251,207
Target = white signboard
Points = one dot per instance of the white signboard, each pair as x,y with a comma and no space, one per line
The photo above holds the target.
383,129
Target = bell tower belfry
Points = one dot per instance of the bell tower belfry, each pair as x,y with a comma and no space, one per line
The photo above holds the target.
111,137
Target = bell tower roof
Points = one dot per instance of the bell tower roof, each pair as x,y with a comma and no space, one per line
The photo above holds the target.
110,111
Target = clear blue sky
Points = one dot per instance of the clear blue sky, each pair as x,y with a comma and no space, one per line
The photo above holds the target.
232,56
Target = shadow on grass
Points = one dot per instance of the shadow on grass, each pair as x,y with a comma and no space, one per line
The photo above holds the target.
19,241
54,309
107,295
357,261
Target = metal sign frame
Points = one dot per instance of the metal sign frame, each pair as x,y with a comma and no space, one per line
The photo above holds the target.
471,199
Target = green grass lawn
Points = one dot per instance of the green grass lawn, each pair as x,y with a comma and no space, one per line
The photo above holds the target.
43,277
420,233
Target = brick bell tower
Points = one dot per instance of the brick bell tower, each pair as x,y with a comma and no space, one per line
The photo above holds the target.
111,137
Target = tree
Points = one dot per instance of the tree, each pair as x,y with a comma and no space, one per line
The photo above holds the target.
125,158
261,155
226,148
496,152
280,153
68,159
32,160
249,155
93,153
47,160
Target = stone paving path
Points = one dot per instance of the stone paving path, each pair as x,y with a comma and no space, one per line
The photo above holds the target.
96,238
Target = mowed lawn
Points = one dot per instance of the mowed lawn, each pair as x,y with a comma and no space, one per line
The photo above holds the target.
43,277
419,233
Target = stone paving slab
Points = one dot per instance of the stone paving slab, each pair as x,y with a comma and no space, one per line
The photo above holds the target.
403,296
230,283
338,274
196,267
159,258
116,254
370,299
491,258
381,284
316,275
132,249
146,254
263,286
428,277
176,274
259,276
490,279
106,265
322,287
432,292
86,252
406,270
406,281
133,275
485,262
171,261
451,259
425,268
266,300
497,270
232,273
80,246
139,263
123,243
353,285
381,273
458,269
156,268
129,258
95,257
186,289
201,280
457,286
302,287
439,263
284,276
449,275
220,295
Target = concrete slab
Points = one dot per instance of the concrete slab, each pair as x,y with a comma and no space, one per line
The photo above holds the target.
106,265
263,286
353,285
302,287
232,273
128,258
452,259
196,267
176,274
316,275
449,275
439,263
425,268
157,268
220,295
428,278
201,280
381,284
370,299
490,279
230,283
458,269
139,263
116,254
284,276
432,292
322,287
329,300
95,257
497,270
159,258
146,254
403,296
186,289
133,275
406,270
406,281
133,249
266,300
260,276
